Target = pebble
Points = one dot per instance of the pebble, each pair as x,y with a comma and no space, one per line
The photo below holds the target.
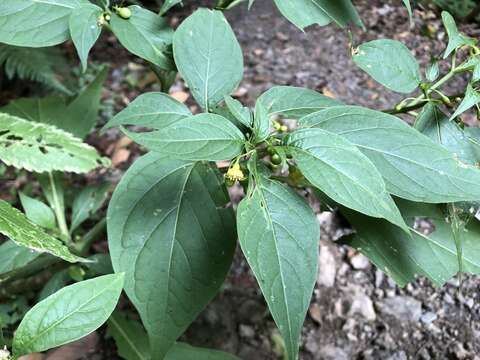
246,331
360,262
363,306
404,308
326,266
428,317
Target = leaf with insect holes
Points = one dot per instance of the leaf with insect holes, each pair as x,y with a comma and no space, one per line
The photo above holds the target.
412,165
200,137
35,23
44,148
23,232
279,236
208,56
169,223
390,63
68,315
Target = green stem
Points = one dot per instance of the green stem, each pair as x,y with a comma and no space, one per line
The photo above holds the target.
59,213
90,237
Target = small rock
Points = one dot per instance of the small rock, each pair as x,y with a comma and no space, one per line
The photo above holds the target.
363,306
315,313
326,267
428,317
281,36
246,331
360,262
403,308
401,355
330,352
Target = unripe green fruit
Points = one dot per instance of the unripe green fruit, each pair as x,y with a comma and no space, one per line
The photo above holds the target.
271,150
276,159
124,13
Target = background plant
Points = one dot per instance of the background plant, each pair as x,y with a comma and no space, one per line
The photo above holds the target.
169,222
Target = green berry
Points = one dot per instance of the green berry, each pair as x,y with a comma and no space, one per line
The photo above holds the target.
276,159
124,13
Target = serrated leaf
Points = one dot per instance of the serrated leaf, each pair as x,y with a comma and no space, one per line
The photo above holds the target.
87,203
295,102
23,232
413,166
38,212
13,256
168,224
240,112
44,148
208,56
182,351
199,137
36,23
472,98
152,110
390,63
68,315
279,236
146,35
78,117
167,5
85,30
455,38
401,256
433,123
342,172
130,337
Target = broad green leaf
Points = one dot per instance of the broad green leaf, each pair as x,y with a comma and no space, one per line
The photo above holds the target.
146,35
261,122
153,110
295,102
36,23
344,173
413,166
279,236
13,256
200,137
472,98
78,117
240,112
208,56
85,30
167,5
38,212
68,315
58,281
303,13
390,63
169,225
436,125
87,203
130,337
44,148
182,351
16,226
455,38
476,72
401,256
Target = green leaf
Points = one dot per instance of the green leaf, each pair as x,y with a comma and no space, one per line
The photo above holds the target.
39,147
261,122
13,256
208,56
146,35
130,337
200,137
167,5
68,315
169,224
303,13
472,98
53,188
38,212
87,203
436,125
295,102
340,170
390,63
153,110
432,71
36,23
409,7
455,38
78,117
182,351
240,112
401,256
413,166
23,232
85,30
279,236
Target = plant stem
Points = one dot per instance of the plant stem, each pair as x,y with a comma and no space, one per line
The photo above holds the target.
59,213
90,237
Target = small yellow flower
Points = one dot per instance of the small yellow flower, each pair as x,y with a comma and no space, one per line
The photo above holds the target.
235,173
